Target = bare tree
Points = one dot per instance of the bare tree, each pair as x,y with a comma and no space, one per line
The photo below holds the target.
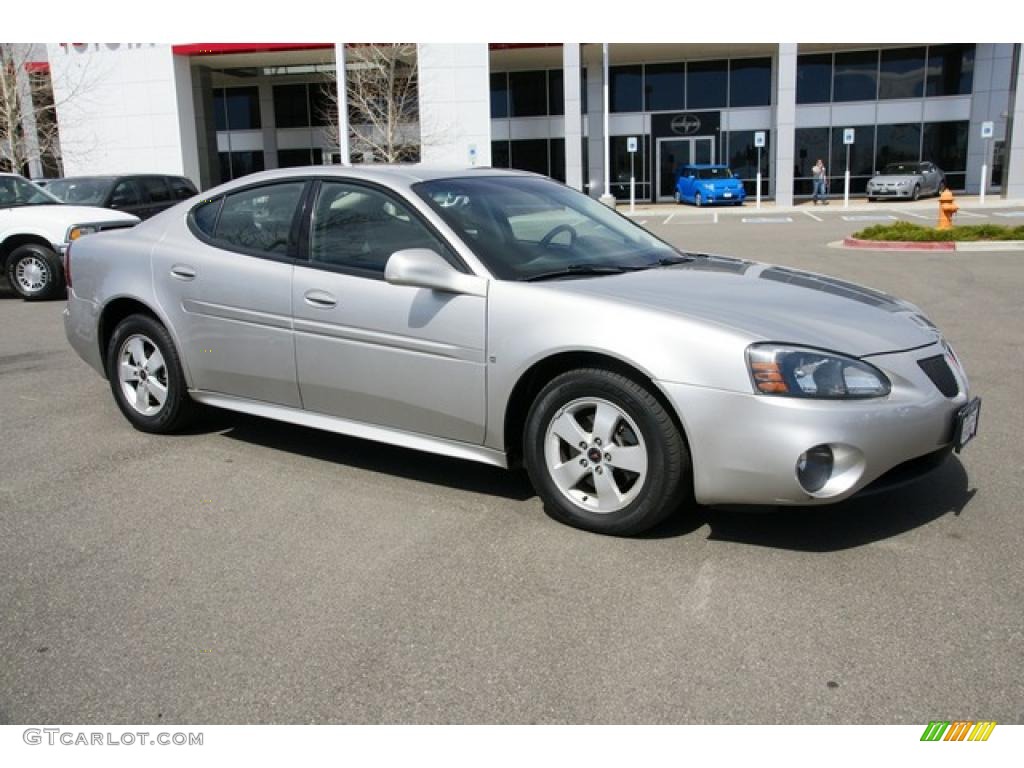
29,138
382,84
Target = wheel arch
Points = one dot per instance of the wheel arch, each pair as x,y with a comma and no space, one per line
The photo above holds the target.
120,307
537,376
12,242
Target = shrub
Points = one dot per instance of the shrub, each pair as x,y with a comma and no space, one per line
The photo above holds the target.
915,233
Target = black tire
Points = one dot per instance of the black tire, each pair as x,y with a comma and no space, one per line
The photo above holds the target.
35,272
177,408
917,192
871,199
666,483
698,199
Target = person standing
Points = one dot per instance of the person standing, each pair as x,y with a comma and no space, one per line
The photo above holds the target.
820,182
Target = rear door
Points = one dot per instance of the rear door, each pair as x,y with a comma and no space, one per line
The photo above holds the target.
127,196
225,284
395,356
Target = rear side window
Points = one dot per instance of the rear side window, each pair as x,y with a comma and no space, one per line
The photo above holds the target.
259,218
157,189
205,216
182,189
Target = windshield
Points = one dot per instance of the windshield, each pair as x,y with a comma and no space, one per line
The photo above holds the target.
15,190
521,228
713,173
899,169
80,191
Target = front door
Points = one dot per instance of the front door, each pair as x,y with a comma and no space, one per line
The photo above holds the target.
389,355
674,153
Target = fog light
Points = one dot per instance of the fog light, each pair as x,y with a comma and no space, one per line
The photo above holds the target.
814,468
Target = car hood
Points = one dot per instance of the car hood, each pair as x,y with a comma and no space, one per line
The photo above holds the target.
771,303
66,215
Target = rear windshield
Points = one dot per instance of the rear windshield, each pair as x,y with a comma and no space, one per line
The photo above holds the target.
81,191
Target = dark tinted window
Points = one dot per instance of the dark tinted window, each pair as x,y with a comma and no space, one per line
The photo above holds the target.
665,86
499,94
236,109
291,158
558,159
205,216
902,73
750,82
82,191
950,70
359,228
743,159
530,155
291,106
260,218
126,193
528,93
323,106
811,144
945,144
814,78
235,164
625,93
182,188
706,84
856,76
862,153
499,154
898,142
156,189
556,92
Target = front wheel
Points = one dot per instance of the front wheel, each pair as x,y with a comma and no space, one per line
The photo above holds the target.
146,377
604,454
917,192
698,200
676,197
35,272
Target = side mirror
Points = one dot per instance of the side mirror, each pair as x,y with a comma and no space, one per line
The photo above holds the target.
423,268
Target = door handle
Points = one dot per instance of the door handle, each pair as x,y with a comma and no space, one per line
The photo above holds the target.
320,299
183,272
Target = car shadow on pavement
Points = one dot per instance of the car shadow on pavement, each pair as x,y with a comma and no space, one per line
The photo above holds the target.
852,523
368,455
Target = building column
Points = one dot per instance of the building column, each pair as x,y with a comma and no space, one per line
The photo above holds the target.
268,121
593,176
455,103
341,83
571,61
1013,184
784,139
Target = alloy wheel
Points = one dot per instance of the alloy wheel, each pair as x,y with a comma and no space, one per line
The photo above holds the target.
32,274
142,373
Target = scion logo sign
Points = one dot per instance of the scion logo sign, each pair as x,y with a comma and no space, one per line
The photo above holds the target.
685,125
958,730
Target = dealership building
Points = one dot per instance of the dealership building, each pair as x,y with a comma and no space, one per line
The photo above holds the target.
215,111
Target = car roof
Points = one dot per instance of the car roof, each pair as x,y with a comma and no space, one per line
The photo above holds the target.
406,173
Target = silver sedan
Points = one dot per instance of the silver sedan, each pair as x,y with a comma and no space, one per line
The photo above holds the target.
500,317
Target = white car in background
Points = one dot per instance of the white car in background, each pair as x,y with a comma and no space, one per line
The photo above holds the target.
35,229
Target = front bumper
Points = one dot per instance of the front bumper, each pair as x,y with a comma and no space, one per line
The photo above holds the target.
719,196
898,192
744,447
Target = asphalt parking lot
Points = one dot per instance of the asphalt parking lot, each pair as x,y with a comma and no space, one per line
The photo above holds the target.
250,571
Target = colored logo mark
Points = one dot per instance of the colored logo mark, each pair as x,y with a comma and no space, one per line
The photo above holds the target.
958,730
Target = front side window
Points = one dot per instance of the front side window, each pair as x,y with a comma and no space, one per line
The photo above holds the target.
522,228
357,227
259,219
125,194
15,190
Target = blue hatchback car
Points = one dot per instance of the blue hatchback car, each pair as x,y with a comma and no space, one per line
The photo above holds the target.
708,184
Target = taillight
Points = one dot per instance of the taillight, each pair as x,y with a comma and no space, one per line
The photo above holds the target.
67,266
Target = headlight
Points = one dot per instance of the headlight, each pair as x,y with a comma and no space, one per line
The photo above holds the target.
77,231
777,369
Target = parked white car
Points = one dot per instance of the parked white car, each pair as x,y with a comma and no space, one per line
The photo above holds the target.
35,229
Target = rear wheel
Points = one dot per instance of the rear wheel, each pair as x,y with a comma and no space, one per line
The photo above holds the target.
146,377
917,192
675,196
35,272
697,199
603,453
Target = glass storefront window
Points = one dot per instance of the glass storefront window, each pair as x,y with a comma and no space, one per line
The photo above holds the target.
665,87
620,167
706,84
235,164
625,91
290,158
528,93
945,144
811,144
750,82
856,76
558,159
950,70
902,73
862,154
743,159
814,78
897,142
236,109
556,92
499,154
529,155
499,94
291,106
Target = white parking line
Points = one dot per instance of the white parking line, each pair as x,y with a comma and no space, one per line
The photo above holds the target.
1009,214
870,217
767,220
917,215
816,218
670,217
642,223
716,217
974,215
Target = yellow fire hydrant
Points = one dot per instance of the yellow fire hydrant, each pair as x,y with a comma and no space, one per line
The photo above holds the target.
947,207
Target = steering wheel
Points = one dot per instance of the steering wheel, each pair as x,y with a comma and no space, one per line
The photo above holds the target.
546,240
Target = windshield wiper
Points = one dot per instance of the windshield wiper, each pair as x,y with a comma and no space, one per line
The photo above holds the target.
576,270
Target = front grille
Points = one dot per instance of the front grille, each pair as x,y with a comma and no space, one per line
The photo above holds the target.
942,377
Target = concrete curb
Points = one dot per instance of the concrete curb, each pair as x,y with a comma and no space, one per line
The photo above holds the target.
901,245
